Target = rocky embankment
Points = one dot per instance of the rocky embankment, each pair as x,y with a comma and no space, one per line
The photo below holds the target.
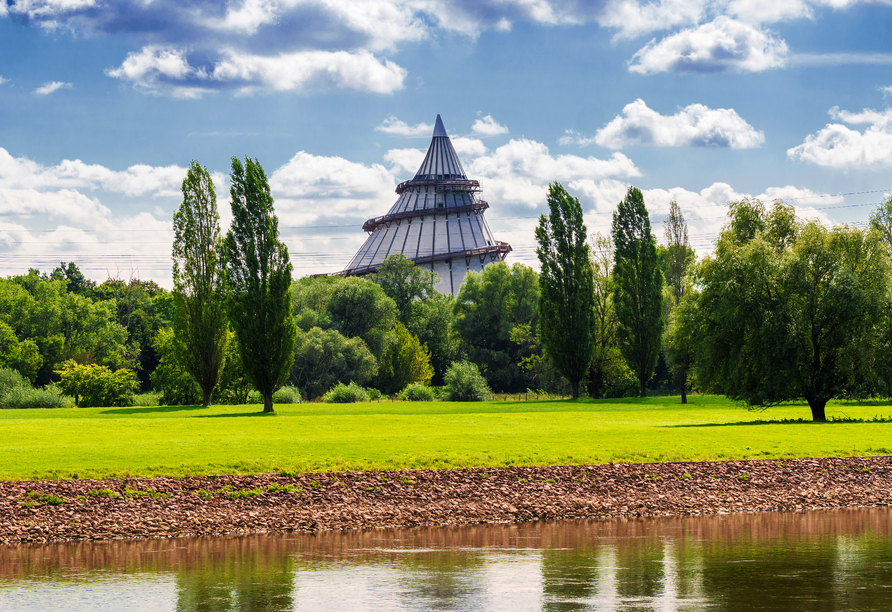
46,511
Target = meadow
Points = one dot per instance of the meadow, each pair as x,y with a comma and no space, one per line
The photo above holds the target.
192,440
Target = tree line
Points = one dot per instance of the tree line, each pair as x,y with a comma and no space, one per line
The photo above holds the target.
783,309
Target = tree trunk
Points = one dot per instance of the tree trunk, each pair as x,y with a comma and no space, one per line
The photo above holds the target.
684,394
817,409
267,402
575,386
643,390
207,397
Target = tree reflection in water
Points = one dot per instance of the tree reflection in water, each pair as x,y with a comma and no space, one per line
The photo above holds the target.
814,561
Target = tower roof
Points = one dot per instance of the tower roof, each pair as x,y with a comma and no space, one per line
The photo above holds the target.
441,161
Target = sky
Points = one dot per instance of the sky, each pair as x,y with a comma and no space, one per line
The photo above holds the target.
104,103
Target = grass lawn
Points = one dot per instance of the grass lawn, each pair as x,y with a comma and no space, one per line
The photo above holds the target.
173,441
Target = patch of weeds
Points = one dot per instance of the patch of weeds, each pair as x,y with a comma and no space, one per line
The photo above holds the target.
686,476
548,480
243,493
866,470
102,493
522,480
288,488
484,475
47,498
204,494
317,485
29,504
407,481
744,476
151,493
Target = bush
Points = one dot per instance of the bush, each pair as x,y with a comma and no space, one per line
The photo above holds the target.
346,394
287,395
94,385
404,361
415,392
373,393
17,392
464,383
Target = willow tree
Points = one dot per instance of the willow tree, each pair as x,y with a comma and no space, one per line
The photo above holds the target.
637,287
566,287
258,276
199,296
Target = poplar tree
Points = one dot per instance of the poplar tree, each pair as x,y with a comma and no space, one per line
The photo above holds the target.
199,320
638,287
566,287
679,254
258,275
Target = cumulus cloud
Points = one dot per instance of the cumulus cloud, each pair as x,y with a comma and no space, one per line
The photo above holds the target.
839,146
487,126
723,45
311,186
769,11
167,71
2,80
395,126
695,125
632,19
137,180
468,148
48,88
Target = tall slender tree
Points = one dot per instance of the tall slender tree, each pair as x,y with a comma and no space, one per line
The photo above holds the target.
566,287
199,295
258,275
679,254
638,287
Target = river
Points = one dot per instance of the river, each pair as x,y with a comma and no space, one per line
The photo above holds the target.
808,561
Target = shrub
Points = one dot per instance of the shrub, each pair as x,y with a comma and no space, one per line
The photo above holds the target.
464,383
94,385
176,387
404,360
17,392
346,394
415,392
287,395
373,393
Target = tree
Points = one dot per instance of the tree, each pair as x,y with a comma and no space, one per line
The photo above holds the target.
199,321
258,277
679,255
791,310
433,321
638,287
608,374
324,357
881,221
404,282
489,305
566,287
679,339
171,378
404,360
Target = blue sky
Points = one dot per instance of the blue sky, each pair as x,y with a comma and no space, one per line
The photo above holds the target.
105,102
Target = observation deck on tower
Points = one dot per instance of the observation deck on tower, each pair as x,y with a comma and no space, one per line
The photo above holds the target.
437,222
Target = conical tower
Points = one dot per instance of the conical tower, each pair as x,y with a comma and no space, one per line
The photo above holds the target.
437,222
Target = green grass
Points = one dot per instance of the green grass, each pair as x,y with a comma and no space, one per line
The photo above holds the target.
190,440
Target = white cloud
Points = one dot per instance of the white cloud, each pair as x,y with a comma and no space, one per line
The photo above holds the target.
245,18
487,126
468,148
395,126
162,70
310,186
404,162
65,204
887,91
839,59
839,146
633,19
723,45
695,125
48,88
137,180
2,80
769,11
519,172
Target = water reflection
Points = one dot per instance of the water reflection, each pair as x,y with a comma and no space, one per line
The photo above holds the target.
817,561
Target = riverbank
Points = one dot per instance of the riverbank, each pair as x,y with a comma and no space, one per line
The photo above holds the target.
60,510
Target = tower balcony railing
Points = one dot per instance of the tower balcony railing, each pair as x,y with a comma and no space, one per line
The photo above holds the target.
498,250
372,224
440,185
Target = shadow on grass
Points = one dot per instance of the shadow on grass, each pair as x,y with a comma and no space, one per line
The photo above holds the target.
233,414
830,421
151,409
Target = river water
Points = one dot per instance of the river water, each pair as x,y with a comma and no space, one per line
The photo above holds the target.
820,561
